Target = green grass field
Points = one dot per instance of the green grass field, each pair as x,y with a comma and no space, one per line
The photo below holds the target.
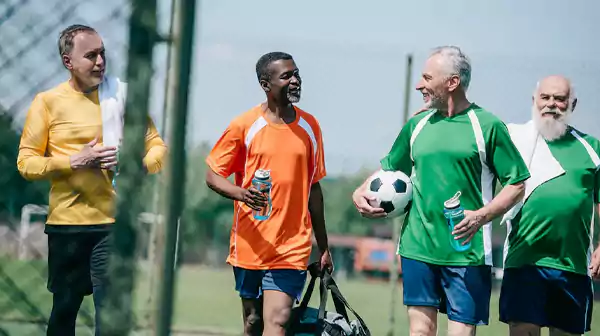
206,299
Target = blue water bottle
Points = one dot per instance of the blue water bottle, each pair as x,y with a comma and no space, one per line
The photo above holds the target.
455,213
262,182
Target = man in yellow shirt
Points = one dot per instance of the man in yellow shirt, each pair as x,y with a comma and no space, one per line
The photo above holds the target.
62,141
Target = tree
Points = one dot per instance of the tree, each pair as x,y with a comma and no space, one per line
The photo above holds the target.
16,191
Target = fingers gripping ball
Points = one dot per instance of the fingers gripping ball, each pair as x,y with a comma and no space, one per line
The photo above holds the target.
392,191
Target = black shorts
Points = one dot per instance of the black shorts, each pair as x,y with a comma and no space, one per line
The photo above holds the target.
77,261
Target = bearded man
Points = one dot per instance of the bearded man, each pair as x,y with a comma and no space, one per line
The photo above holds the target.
549,262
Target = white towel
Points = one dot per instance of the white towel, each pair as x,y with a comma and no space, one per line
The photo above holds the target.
537,156
112,94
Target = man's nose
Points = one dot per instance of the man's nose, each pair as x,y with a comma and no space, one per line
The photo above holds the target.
420,85
100,60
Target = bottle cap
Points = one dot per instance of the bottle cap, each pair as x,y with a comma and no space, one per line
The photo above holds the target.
262,174
454,202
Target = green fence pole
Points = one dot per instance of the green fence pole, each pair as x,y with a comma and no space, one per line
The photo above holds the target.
175,174
117,314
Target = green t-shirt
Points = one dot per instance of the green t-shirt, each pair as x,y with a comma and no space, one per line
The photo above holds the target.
446,160
554,227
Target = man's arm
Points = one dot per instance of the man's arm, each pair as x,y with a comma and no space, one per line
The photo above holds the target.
222,186
317,216
156,150
31,161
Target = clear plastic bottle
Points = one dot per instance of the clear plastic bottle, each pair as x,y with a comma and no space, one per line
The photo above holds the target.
455,213
263,183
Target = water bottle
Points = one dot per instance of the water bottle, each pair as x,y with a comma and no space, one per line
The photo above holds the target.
262,182
454,214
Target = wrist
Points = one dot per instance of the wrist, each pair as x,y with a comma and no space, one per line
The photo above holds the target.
238,195
484,214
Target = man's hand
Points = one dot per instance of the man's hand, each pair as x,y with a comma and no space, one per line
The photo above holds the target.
101,157
326,263
469,225
595,264
252,198
421,110
361,200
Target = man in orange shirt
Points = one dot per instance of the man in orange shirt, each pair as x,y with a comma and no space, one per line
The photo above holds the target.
270,256
62,140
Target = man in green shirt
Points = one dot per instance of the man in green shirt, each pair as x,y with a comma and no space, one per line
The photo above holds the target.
454,146
548,261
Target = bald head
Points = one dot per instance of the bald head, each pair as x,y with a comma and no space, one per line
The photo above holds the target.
555,91
553,103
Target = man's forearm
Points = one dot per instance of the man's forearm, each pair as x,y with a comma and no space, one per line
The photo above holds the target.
503,202
223,186
34,167
317,216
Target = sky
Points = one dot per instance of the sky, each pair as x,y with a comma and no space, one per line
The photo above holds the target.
352,58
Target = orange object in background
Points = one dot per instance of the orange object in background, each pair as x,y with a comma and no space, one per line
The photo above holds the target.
375,255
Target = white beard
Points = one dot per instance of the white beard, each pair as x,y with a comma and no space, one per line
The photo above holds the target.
551,128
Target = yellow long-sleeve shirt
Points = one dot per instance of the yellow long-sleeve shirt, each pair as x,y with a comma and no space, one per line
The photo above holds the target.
59,123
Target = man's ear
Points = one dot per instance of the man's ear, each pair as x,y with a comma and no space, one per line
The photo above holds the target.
264,84
67,62
453,83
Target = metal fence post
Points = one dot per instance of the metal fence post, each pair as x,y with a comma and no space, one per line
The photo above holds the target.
175,173
117,311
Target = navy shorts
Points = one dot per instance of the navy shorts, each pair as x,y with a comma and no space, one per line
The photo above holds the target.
251,283
461,292
547,297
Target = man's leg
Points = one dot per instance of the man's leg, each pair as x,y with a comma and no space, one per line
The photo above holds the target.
280,289
99,271
247,284
523,301
570,302
65,306
467,296
422,295
68,280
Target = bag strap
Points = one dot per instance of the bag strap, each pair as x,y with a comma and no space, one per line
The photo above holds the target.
313,270
337,296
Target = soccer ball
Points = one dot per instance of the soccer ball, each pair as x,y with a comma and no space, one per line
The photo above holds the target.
392,191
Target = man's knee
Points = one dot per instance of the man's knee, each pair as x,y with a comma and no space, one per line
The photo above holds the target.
277,310
524,329
422,321
253,324
461,329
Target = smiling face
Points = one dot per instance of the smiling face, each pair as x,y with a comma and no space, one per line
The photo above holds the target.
437,82
552,107
284,84
86,60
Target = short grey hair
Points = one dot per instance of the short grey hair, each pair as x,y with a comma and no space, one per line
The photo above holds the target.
458,61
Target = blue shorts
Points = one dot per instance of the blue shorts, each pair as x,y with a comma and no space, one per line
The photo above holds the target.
461,292
547,297
251,283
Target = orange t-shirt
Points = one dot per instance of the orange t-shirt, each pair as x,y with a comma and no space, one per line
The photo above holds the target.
294,155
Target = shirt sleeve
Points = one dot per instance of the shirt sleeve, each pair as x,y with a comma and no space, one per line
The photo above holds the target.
228,154
156,149
32,162
504,158
398,158
597,186
320,170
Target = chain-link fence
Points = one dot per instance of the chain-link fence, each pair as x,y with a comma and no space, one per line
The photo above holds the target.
30,63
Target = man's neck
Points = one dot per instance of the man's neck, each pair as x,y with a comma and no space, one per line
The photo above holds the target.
80,87
279,113
456,105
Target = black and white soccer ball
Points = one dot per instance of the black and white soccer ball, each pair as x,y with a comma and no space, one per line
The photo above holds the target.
392,191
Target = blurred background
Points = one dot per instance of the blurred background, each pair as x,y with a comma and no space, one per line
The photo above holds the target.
352,57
